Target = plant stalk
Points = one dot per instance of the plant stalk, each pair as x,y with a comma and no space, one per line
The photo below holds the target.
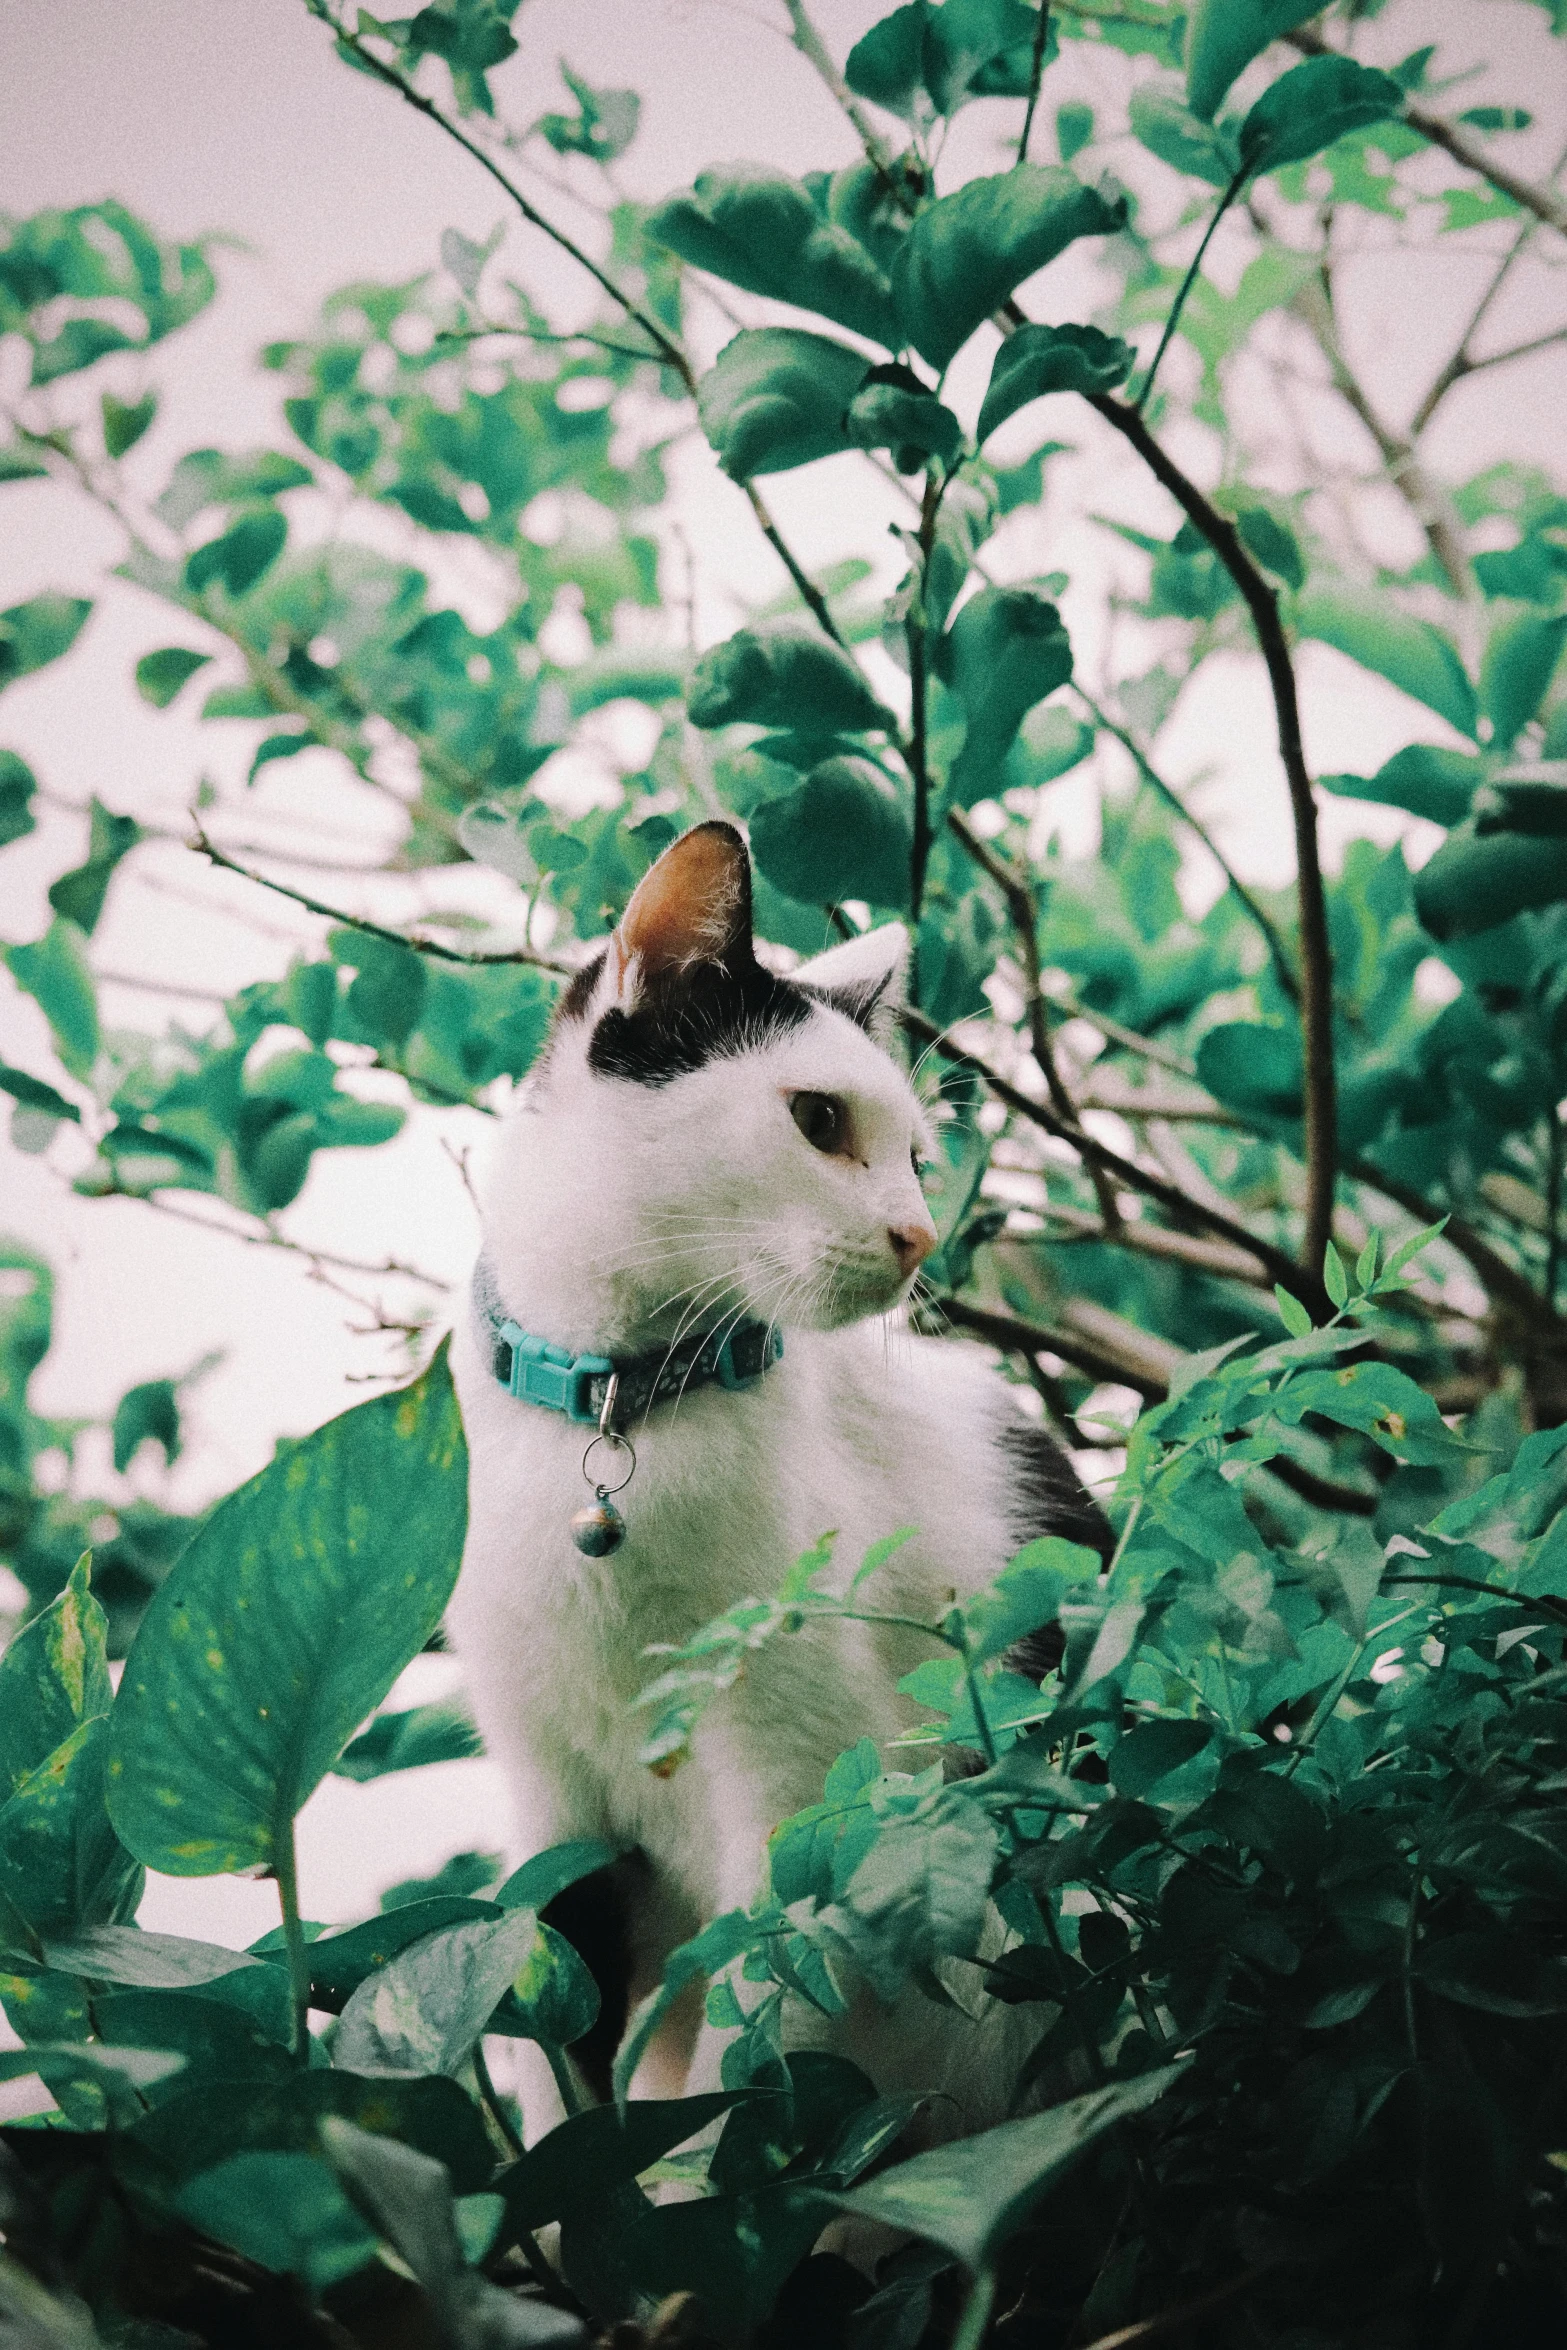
1187,283
286,1869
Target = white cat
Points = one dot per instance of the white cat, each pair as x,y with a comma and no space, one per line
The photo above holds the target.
705,1145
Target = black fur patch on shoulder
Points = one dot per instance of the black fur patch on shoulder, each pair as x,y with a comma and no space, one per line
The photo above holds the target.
708,1012
1048,1497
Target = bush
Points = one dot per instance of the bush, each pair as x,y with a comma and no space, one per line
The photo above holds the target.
1278,1845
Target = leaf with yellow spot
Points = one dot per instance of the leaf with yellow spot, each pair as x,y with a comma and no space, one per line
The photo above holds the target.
53,1677
283,1626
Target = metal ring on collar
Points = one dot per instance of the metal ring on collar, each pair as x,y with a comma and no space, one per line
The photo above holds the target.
616,1443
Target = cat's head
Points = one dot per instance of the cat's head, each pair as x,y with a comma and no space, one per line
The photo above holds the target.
708,1139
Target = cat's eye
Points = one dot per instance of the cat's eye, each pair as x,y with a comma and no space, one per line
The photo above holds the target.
823,1120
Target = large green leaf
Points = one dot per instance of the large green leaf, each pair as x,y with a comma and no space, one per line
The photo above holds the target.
1515,676
844,833
760,229
285,1623
967,252
38,632
777,398
1040,359
1222,38
789,676
423,2010
239,556
1173,133
61,1866
973,2196
79,895
286,2211
1423,778
1477,880
53,971
1409,653
53,1677
194,2129
1003,653
949,53
1311,106
893,410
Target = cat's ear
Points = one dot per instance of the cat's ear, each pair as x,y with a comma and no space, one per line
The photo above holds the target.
692,907
864,977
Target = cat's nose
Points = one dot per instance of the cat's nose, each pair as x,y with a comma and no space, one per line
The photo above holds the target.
911,1245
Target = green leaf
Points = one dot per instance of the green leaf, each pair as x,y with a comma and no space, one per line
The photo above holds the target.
1003,653
536,1883
423,2011
603,127
147,1962
286,2211
53,1677
1410,653
1074,129
1173,133
919,1894
406,1741
1423,779
568,2173
38,632
967,252
1040,359
148,1411
1309,107
79,895
887,64
125,422
843,834
776,398
894,410
553,1997
220,477
974,2196
286,1621
193,2130
160,675
1292,1313
127,2069
703,1955
1025,1594
61,1867
53,971
31,1093
1334,1278
1275,545
1222,38
1154,1749
1515,675
1476,881
1381,1402
239,556
17,786
789,676
759,229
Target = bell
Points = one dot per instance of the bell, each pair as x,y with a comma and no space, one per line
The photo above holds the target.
598,1529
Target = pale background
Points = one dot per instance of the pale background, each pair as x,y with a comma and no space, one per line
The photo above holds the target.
234,115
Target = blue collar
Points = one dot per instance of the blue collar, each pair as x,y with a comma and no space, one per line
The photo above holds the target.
576,1385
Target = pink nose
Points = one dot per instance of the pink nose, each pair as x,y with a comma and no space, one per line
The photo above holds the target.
911,1245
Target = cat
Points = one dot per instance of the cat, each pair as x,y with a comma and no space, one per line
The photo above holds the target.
706,1144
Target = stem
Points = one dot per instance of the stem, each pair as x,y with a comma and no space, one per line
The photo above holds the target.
575,2096
1024,910
1035,72
1407,1965
1315,950
497,2111
1553,1211
1282,962
1505,1283
1300,1281
1188,281
286,1869
810,594
203,847
1090,2046
976,2312
987,1736
919,765
817,56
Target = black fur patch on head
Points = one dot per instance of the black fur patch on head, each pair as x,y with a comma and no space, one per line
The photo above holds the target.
859,1004
709,1012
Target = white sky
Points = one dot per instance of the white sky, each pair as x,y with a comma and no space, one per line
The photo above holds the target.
233,115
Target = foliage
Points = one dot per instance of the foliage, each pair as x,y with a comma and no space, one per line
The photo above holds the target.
1275,1851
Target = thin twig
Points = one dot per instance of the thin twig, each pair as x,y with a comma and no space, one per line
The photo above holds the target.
1174,2321
810,594
390,1268
1553,1208
1316,954
917,755
1024,911
1461,361
1506,1284
816,54
1300,1281
1546,203
1036,67
1282,960
1187,283
203,847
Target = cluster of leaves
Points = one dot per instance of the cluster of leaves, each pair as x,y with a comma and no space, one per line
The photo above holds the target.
1272,1860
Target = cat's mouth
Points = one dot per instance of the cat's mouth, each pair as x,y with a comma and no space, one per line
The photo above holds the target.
853,1289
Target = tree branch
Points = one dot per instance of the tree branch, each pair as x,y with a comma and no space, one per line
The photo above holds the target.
1283,963
1546,203
1459,365
810,594
1024,911
917,755
1300,1281
203,847
1316,951
1036,67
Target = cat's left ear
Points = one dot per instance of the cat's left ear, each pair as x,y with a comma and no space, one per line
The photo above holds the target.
864,977
692,907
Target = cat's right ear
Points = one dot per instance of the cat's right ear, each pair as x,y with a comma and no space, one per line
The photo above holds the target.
692,907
